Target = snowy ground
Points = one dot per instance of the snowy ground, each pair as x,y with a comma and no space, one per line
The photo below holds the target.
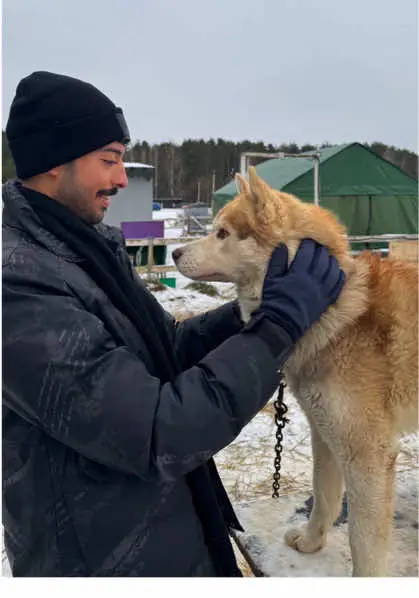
246,467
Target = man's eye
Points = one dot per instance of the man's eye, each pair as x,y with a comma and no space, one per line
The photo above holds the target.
109,162
222,233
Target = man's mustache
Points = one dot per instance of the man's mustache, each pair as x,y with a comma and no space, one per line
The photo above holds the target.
108,192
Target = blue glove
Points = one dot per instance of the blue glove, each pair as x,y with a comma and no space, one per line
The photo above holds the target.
295,298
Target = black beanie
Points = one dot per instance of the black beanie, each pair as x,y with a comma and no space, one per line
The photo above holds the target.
55,119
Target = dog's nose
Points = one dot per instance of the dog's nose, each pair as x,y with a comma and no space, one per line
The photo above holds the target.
177,253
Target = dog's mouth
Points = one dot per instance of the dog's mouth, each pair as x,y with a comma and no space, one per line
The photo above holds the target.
213,277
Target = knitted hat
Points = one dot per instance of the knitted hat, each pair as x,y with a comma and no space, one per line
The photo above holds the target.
55,119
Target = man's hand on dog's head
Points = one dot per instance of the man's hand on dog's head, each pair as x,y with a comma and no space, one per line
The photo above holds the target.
296,297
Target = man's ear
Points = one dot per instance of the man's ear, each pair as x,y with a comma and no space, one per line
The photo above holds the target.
55,172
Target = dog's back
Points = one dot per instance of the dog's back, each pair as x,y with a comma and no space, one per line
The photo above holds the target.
392,321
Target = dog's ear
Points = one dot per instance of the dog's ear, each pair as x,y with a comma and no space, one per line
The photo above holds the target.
241,184
258,188
263,196
268,208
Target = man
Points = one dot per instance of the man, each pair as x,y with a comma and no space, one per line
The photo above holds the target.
112,411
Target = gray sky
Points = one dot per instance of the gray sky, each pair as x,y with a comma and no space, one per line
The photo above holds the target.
308,71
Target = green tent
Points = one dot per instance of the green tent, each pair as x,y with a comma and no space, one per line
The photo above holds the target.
370,195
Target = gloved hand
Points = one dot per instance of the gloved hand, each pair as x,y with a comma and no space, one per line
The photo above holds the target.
295,298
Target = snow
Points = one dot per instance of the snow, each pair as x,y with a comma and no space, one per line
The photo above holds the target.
183,302
168,215
246,467
137,165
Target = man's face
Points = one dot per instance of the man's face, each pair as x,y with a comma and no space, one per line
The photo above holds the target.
87,184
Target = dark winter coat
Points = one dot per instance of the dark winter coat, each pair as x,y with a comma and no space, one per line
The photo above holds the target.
95,447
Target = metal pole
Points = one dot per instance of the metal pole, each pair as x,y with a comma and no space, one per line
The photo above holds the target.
156,172
316,180
243,164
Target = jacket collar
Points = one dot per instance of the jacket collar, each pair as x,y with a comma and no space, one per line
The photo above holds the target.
17,213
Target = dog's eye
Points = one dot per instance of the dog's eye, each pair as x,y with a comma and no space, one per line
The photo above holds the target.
222,233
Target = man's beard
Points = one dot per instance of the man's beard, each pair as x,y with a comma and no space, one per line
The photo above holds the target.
79,200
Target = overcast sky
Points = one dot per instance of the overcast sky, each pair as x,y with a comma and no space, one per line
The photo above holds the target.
308,71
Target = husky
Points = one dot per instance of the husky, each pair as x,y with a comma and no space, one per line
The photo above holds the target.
354,373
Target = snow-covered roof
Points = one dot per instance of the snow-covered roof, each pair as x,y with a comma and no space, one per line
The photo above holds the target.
137,165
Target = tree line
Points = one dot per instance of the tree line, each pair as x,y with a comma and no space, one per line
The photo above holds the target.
192,170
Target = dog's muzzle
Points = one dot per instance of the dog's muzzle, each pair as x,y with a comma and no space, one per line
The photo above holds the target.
177,254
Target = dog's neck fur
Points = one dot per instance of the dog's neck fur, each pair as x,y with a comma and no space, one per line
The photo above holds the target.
249,294
352,302
350,306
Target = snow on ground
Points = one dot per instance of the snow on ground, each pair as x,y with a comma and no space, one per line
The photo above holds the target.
183,302
246,467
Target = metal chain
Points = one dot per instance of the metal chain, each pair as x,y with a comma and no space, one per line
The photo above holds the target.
280,421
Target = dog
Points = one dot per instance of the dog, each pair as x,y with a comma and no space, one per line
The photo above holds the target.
354,373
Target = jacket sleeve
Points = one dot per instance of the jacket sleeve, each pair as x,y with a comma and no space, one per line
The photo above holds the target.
63,372
195,337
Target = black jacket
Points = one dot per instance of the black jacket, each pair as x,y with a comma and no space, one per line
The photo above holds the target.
95,448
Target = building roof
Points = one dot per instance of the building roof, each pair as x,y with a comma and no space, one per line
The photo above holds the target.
137,165
285,171
370,195
349,169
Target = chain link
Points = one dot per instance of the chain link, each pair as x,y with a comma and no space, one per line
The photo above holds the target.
280,421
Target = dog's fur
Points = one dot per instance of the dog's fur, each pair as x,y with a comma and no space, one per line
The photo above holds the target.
355,371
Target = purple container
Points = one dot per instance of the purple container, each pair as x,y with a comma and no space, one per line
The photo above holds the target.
143,230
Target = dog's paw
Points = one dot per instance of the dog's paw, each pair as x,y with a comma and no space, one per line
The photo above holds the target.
299,539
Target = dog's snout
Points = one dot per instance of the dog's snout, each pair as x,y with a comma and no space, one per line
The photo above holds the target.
177,253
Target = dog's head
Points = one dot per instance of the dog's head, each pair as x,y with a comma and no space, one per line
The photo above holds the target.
247,229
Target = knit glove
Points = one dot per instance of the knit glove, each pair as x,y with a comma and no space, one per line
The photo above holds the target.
294,298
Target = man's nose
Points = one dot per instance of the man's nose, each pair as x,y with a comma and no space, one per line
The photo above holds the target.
121,179
176,254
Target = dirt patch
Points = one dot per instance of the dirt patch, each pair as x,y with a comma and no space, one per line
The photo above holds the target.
203,287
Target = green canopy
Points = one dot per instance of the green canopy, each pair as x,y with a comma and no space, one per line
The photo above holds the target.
370,195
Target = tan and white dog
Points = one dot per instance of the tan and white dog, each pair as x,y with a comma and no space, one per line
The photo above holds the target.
354,373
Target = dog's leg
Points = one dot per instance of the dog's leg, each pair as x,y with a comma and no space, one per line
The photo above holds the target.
327,490
370,490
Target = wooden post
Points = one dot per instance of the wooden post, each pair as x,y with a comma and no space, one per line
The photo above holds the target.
404,250
150,260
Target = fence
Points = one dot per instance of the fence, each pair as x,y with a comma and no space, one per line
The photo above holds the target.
150,243
397,247
197,224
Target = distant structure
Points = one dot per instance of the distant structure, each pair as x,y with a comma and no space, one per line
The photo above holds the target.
135,202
